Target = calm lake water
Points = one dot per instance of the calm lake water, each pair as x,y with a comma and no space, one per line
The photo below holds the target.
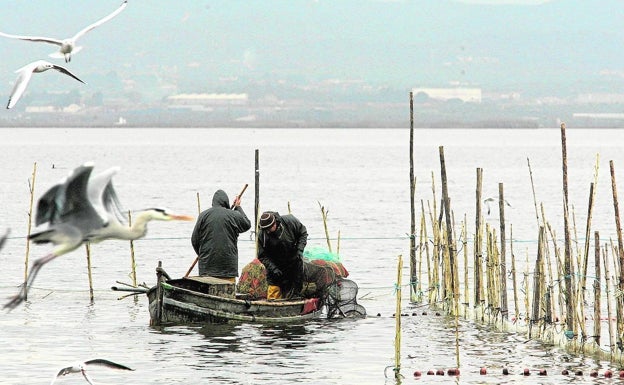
361,177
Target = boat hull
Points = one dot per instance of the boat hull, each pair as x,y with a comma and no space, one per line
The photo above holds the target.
190,301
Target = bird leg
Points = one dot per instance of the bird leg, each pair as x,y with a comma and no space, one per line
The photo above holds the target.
22,295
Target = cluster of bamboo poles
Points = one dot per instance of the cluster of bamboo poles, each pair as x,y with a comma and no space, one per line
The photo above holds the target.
554,303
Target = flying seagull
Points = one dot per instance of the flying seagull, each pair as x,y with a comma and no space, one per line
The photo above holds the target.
83,208
80,367
68,46
488,201
25,73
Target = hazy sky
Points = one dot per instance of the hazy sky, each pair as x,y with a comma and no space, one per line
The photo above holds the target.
381,42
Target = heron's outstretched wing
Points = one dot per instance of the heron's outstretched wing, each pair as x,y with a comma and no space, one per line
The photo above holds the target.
103,196
50,205
101,21
77,202
34,38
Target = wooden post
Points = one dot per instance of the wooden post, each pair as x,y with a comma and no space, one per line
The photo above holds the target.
533,189
620,256
88,248
537,279
413,295
30,216
568,267
503,262
159,295
257,202
324,216
513,273
132,259
596,285
478,243
608,291
449,228
397,339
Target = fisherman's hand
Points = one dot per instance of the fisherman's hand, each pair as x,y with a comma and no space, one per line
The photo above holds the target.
277,274
236,202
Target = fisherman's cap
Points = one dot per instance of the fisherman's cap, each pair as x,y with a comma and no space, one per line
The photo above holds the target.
267,219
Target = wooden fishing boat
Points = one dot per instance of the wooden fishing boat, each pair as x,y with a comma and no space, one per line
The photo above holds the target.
204,300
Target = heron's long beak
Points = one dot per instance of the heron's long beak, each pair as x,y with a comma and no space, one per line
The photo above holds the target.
177,217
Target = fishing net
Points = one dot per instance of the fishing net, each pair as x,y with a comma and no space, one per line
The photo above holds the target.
316,252
342,300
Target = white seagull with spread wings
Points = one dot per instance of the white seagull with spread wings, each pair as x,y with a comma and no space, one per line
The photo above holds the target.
25,73
68,46
80,367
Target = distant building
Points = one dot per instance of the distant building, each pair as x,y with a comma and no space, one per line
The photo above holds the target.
208,100
468,95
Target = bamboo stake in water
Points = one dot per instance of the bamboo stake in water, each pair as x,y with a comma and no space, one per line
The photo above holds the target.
397,339
618,227
30,215
478,253
133,274
324,216
88,248
608,291
465,247
567,262
537,279
449,229
513,273
596,285
412,203
503,262
338,244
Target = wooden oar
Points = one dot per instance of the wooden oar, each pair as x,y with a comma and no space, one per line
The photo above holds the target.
197,258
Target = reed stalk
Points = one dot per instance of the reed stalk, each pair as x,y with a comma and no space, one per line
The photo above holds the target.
324,216
31,188
133,274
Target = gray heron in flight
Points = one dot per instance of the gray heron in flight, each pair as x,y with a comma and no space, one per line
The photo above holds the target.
84,208
68,46
81,367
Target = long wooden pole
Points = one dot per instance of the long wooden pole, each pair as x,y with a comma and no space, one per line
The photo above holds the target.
449,228
567,262
257,190
620,256
596,285
397,338
478,243
503,262
413,273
